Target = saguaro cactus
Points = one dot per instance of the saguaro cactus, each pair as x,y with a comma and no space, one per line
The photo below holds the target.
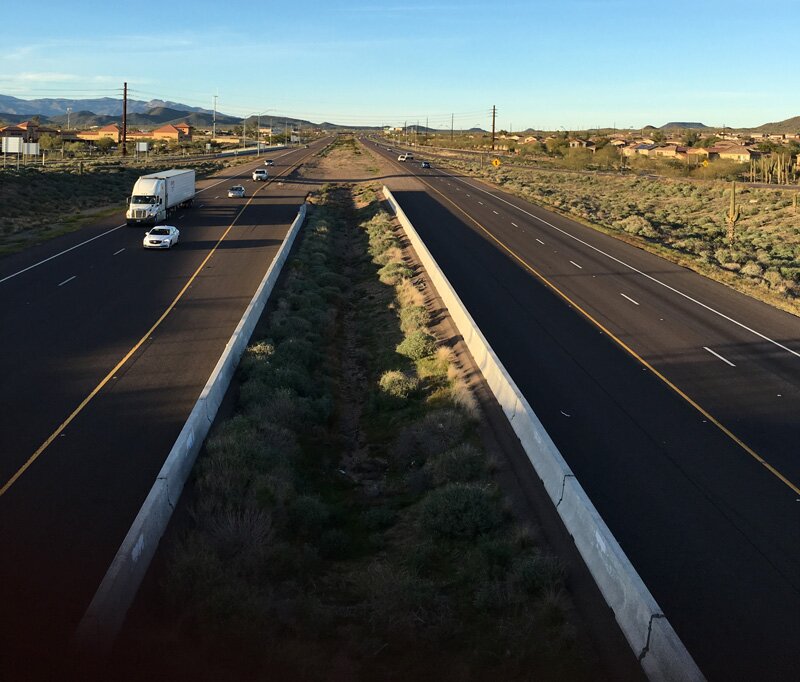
733,214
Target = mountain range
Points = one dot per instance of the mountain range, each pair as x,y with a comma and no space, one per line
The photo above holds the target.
102,111
86,113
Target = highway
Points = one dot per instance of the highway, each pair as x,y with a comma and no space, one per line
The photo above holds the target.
674,399
105,348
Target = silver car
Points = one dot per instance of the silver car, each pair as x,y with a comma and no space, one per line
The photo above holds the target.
161,237
236,191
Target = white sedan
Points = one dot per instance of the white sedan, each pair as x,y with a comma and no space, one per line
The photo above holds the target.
161,237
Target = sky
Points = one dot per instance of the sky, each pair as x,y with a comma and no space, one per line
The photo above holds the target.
572,64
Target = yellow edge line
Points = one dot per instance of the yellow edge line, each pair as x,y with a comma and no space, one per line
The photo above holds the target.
130,353
623,345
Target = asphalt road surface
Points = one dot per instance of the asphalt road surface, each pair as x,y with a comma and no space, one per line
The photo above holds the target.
674,399
105,348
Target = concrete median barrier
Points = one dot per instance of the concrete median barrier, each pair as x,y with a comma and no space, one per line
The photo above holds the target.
106,613
658,648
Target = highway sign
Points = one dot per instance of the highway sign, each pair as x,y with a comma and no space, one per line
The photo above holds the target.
496,163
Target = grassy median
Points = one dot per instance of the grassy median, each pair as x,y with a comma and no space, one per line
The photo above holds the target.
345,522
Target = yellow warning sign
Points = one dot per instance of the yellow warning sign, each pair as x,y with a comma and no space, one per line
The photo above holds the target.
496,163
705,163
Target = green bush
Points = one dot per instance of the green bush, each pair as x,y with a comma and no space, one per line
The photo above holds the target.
435,433
462,463
460,511
393,272
533,573
398,384
417,345
308,516
414,318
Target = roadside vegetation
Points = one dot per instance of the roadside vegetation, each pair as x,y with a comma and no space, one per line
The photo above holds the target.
345,523
682,220
42,202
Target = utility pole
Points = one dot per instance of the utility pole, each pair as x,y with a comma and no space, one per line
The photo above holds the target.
494,115
451,126
125,119
214,120
69,111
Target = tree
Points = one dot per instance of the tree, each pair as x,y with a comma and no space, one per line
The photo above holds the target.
48,142
556,146
690,138
104,144
658,136
578,158
607,157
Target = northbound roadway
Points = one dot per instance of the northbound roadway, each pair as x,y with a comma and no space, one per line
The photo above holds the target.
673,398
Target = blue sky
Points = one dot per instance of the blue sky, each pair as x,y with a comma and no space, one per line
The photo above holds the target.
574,64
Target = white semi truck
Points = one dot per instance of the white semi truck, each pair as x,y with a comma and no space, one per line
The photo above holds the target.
157,195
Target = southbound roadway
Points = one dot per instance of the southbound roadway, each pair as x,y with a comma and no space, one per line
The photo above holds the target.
104,351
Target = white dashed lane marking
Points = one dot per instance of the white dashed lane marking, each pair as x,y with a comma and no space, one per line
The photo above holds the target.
629,298
717,355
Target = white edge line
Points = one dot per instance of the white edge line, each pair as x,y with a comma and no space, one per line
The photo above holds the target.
719,356
636,270
629,298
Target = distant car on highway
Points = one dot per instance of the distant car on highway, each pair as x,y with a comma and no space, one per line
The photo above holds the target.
236,191
426,164
161,237
269,162
260,174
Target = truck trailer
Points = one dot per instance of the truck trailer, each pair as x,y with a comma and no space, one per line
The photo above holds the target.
158,195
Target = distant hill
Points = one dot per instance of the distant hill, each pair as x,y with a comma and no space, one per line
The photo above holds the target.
103,106
790,125
684,125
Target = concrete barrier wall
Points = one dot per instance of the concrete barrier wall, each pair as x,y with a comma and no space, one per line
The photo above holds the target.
106,613
661,653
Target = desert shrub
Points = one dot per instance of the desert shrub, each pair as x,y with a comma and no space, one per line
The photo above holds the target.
460,511
393,272
413,318
398,384
379,518
433,434
462,463
236,532
397,602
752,269
297,350
282,406
533,572
417,345
308,516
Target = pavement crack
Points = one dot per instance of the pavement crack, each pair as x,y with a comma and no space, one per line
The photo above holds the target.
563,485
646,647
